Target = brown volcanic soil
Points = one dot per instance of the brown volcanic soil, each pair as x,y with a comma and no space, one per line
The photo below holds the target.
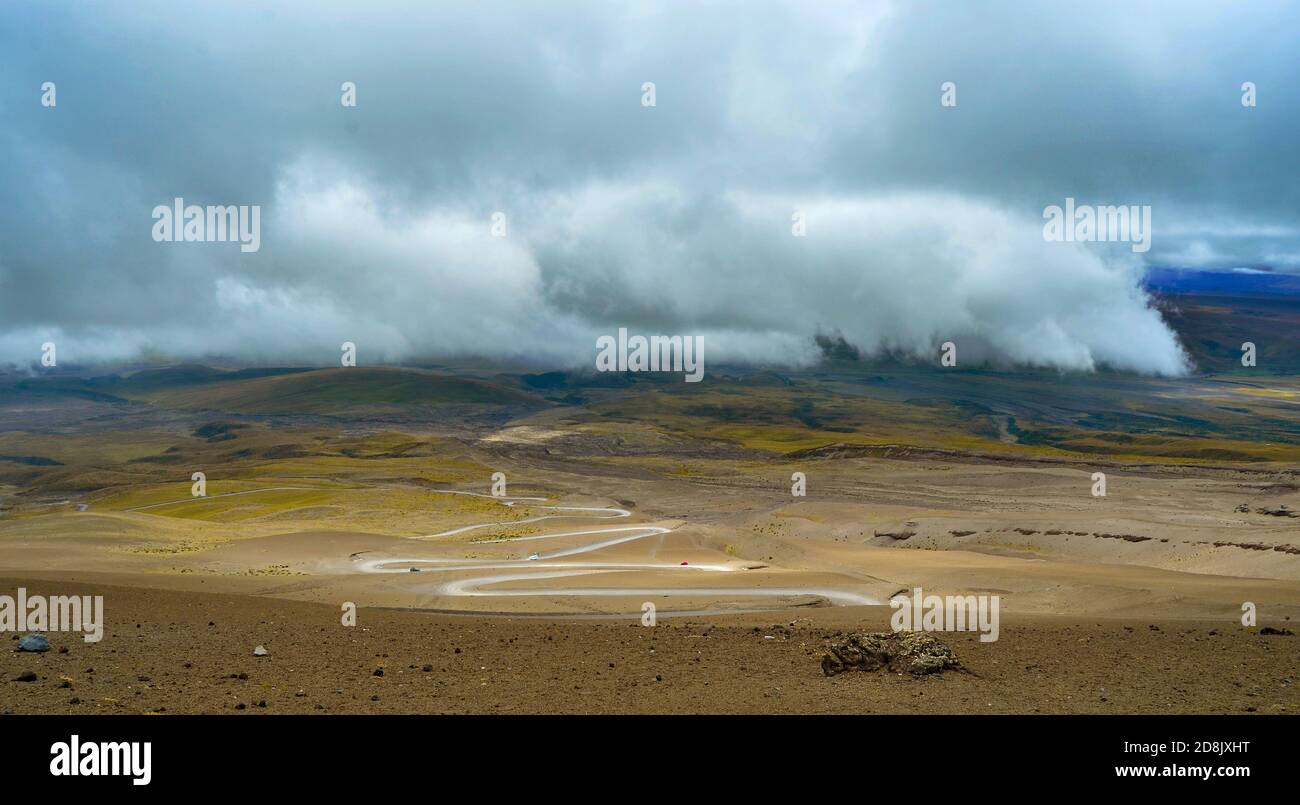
159,654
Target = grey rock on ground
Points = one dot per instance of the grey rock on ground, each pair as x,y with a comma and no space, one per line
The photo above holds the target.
34,642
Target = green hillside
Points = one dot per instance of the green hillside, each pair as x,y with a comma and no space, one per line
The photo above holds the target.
332,391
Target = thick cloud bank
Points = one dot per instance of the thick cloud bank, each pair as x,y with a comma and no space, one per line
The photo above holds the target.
922,223
901,273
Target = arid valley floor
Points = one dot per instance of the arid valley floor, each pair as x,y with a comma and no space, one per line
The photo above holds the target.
374,486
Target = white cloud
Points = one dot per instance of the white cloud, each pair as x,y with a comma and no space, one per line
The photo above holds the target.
923,221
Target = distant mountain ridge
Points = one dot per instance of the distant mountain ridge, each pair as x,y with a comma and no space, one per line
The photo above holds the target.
1227,283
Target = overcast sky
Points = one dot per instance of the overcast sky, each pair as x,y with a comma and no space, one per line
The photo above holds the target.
923,222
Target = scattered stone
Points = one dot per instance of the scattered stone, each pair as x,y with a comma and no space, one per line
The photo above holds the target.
905,534
428,668
379,672
1269,630
34,642
260,651
1125,537
1280,511
26,676
916,653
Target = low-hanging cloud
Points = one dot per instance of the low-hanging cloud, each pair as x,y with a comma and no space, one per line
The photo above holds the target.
901,273
923,223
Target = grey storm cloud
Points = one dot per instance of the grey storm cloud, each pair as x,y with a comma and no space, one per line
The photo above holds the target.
924,223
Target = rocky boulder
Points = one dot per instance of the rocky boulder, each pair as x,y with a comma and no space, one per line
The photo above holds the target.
916,653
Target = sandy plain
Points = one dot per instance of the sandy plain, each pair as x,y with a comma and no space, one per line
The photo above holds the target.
533,601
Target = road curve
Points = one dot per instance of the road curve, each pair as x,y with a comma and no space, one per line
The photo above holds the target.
545,566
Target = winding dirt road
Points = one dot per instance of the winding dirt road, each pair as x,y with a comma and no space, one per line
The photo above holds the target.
543,565
517,577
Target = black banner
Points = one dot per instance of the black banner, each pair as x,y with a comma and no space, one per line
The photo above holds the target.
139,754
